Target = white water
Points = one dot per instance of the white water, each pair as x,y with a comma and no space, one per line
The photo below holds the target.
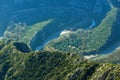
90,56
65,32
92,25
111,5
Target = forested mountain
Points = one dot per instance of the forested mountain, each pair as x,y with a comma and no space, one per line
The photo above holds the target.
95,40
59,39
16,64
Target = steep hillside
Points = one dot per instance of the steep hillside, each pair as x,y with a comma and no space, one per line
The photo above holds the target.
21,32
61,28
17,65
69,14
114,57
86,41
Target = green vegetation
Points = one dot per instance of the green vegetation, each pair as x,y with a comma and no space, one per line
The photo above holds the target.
19,62
1,44
21,32
9,58
16,65
85,41
106,72
31,32
110,58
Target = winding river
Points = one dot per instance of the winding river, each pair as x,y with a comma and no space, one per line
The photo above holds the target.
59,33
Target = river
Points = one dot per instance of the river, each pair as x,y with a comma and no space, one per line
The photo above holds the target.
54,36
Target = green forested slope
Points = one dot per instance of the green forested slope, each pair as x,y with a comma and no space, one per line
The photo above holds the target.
85,41
113,57
19,62
19,32
41,65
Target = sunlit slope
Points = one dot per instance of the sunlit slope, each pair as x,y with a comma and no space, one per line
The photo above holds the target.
85,41
24,33
114,57
69,14
15,64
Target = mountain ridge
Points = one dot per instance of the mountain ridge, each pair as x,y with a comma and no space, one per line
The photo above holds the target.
15,64
59,40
